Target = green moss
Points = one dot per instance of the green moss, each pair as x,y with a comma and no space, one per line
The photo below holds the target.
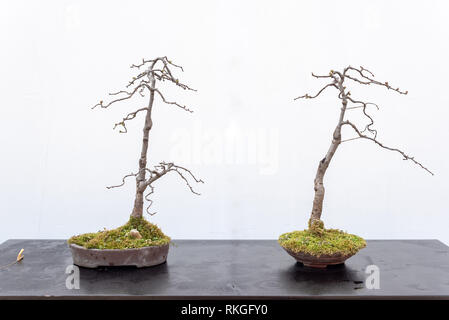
120,239
331,241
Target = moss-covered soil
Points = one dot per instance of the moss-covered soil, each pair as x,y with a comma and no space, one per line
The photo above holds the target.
331,241
120,239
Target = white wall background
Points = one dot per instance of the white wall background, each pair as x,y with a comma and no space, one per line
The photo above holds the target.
248,60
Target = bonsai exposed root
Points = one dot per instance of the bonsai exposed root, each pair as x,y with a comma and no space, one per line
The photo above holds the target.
316,227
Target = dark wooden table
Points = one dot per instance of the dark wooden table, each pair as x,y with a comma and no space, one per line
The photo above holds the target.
230,269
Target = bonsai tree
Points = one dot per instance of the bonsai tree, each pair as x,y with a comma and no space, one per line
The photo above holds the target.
317,240
138,232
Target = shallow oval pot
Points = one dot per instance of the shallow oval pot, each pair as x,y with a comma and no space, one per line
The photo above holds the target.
322,261
139,257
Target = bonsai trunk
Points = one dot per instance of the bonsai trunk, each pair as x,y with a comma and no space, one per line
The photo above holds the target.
322,167
140,179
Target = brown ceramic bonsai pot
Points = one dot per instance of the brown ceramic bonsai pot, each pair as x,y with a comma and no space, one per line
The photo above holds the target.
139,257
322,261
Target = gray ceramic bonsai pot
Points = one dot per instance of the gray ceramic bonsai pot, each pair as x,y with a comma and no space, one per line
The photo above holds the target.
322,261
139,257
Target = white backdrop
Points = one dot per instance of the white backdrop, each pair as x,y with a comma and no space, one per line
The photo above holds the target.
256,148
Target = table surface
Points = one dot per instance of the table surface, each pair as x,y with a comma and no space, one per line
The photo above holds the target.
230,269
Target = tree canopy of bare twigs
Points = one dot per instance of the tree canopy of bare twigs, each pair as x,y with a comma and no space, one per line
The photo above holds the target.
149,73
338,80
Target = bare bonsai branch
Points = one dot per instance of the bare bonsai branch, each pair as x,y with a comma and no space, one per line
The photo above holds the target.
363,105
128,117
123,181
147,198
405,156
162,169
129,95
172,103
143,81
165,73
362,76
306,96
368,79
